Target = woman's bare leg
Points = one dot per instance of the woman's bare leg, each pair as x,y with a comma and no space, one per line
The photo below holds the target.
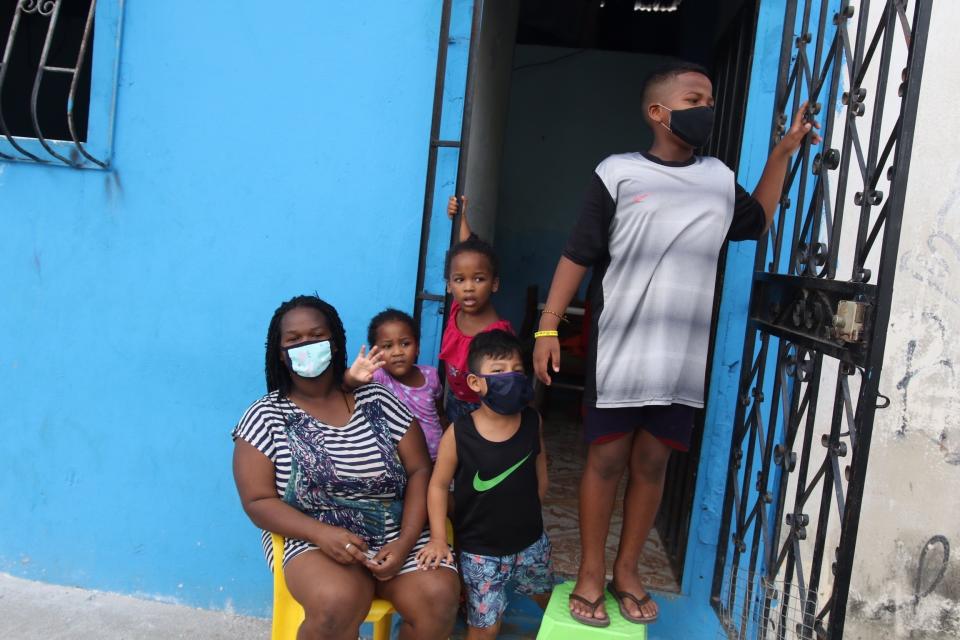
335,597
426,600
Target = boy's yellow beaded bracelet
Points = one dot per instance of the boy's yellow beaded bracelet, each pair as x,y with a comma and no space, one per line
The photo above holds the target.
546,334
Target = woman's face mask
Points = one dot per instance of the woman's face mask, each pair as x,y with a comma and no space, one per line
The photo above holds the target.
693,125
309,359
507,393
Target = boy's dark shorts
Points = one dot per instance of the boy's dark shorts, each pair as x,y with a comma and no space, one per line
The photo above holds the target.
671,424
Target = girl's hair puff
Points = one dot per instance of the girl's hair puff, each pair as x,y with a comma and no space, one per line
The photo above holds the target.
391,315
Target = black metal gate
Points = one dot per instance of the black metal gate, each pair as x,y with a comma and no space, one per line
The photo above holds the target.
818,316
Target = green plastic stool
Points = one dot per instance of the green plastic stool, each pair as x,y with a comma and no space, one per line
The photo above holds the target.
558,625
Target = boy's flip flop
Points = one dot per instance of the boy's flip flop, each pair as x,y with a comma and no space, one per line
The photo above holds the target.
620,595
590,622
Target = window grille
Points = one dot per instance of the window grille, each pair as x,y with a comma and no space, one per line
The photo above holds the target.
57,81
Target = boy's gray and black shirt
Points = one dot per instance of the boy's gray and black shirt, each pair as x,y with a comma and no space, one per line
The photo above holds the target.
652,231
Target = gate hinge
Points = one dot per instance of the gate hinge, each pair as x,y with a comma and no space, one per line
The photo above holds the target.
848,321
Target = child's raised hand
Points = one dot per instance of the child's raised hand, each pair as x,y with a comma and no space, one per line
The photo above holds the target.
362,369
794,136
435,552
453,206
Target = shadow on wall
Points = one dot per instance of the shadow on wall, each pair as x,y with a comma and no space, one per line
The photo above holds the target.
569,109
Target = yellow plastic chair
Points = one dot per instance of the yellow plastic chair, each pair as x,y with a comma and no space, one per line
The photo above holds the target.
288,614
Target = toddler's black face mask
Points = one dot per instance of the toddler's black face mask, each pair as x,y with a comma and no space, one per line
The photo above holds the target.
693,125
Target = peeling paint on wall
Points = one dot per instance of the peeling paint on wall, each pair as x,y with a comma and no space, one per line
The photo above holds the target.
906,579
930,609
939,257
929,387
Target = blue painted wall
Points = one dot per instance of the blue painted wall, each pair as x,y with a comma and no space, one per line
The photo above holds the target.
260,152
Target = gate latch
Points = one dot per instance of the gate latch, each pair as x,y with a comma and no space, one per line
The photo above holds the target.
848,321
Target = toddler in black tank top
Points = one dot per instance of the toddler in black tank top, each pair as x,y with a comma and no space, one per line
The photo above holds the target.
497,459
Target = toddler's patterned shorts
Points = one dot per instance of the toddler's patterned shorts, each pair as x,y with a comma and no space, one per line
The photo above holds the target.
487,578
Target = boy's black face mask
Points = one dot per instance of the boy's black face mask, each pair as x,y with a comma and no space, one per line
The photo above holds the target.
507,393
693,125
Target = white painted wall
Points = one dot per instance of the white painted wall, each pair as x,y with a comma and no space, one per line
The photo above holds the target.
913,482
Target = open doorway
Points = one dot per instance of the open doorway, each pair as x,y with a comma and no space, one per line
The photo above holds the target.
555,89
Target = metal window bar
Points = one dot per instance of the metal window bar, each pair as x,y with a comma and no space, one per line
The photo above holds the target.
51,10
798,461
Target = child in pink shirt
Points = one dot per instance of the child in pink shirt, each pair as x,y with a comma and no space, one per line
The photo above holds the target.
472,278
397,338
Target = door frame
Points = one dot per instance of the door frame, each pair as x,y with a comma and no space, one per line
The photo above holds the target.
449,132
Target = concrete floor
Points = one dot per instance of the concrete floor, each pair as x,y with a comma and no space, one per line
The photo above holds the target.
39,611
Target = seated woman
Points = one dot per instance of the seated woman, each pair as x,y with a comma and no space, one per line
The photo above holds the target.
343,478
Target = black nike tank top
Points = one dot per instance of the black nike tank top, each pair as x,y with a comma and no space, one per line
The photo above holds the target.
497,507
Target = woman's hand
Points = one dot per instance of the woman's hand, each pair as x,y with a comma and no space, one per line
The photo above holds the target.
362,370
433,554
340,545
388,562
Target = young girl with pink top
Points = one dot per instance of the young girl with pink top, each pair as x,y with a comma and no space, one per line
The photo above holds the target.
472,279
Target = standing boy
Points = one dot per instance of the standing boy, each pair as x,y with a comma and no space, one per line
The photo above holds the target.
496,457
652,228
